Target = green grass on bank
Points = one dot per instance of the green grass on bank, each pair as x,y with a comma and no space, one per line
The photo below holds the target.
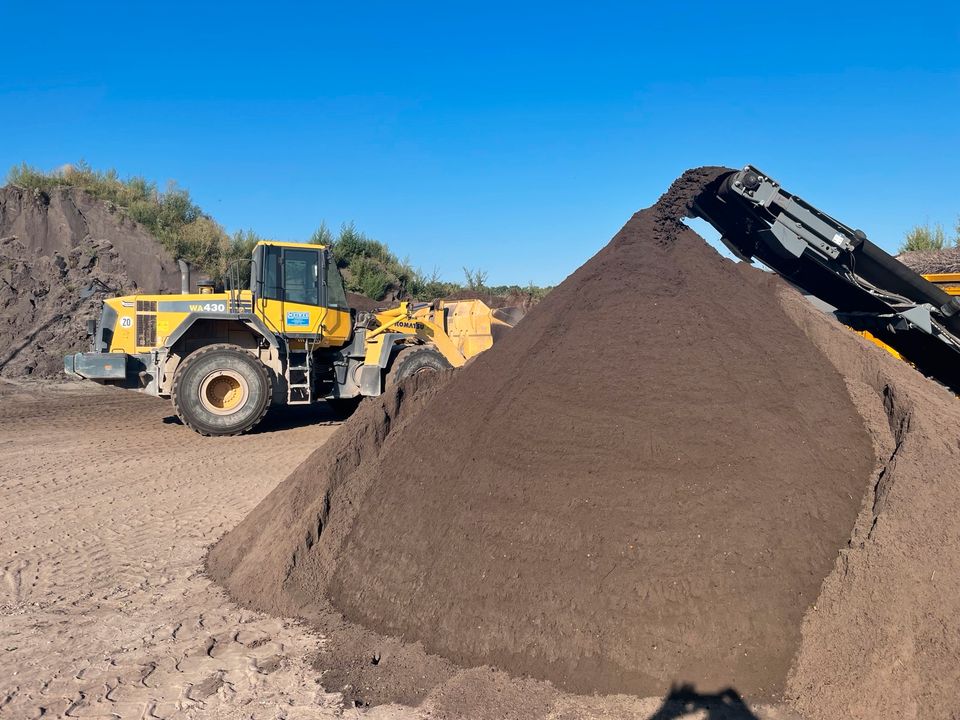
929,237
369,267
170,215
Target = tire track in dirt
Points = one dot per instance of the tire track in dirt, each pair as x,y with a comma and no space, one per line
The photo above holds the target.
109,508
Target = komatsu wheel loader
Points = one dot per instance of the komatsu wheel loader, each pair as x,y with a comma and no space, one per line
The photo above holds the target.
224,358
915,317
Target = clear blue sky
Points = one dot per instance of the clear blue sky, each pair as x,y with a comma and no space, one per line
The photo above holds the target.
515,137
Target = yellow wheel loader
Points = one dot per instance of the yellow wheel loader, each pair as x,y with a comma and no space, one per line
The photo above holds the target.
224,358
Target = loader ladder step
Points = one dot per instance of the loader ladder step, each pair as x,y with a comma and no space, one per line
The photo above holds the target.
299,376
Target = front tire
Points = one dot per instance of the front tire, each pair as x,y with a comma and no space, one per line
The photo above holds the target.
414,360
221,390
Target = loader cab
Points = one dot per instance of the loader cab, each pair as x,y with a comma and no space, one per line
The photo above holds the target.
298,291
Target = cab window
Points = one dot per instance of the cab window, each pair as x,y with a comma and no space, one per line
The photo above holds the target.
272,277
291,274
301,276
336,297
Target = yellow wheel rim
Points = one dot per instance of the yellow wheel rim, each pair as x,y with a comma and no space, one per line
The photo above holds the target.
223,392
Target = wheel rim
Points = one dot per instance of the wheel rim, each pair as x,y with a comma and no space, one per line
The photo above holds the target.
223,392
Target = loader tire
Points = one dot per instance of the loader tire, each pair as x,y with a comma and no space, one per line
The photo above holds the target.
221,390
412,361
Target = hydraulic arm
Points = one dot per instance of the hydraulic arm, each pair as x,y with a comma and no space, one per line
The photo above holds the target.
868,288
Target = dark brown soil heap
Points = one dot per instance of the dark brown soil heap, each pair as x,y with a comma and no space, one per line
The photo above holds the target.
364,304
881,642
927,262
60,255
645,482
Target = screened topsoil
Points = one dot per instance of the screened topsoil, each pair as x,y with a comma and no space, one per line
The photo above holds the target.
646,481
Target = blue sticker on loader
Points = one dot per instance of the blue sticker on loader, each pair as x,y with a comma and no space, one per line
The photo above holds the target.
298,318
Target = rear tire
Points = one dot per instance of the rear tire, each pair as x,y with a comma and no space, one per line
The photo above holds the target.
414,360
221,390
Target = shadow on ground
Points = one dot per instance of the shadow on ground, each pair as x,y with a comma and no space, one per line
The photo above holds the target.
287,418
684,700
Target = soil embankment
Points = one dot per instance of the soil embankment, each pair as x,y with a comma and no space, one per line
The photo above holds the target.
60,255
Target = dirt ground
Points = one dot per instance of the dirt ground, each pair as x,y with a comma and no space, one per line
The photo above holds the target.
108,509
109,506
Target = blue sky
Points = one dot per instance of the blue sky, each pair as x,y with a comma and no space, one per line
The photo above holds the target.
514,137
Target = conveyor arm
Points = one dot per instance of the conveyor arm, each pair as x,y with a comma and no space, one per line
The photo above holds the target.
869,288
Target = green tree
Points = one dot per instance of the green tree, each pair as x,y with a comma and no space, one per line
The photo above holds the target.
925,237
322,235
476,279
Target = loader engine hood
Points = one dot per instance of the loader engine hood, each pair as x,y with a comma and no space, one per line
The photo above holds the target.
115,330
112,359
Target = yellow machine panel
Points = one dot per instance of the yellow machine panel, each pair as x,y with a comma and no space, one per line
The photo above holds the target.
146,322
948,282
328,327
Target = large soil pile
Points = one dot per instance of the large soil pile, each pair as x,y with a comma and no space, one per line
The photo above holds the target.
646,481
881,641
60,255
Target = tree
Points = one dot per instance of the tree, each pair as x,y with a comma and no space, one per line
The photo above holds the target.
476,279
322,235
925,237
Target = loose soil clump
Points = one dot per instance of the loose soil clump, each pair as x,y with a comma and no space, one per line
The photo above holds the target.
645,482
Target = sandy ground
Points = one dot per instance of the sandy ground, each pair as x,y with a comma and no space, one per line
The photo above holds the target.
108,507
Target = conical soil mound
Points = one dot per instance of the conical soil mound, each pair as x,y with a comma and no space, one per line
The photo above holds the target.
645,482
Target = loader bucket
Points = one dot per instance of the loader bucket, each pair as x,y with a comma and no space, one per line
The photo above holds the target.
509,316
473,326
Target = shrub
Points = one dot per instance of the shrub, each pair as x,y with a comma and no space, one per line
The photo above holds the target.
368,266
369,278
925,237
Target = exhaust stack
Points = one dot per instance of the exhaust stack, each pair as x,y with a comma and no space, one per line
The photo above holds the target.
184,276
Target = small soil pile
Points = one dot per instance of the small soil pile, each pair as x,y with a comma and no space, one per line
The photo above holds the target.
60,255
927,262
646,481
520,299
362,303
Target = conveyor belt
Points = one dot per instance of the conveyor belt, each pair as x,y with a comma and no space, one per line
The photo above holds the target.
869,288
